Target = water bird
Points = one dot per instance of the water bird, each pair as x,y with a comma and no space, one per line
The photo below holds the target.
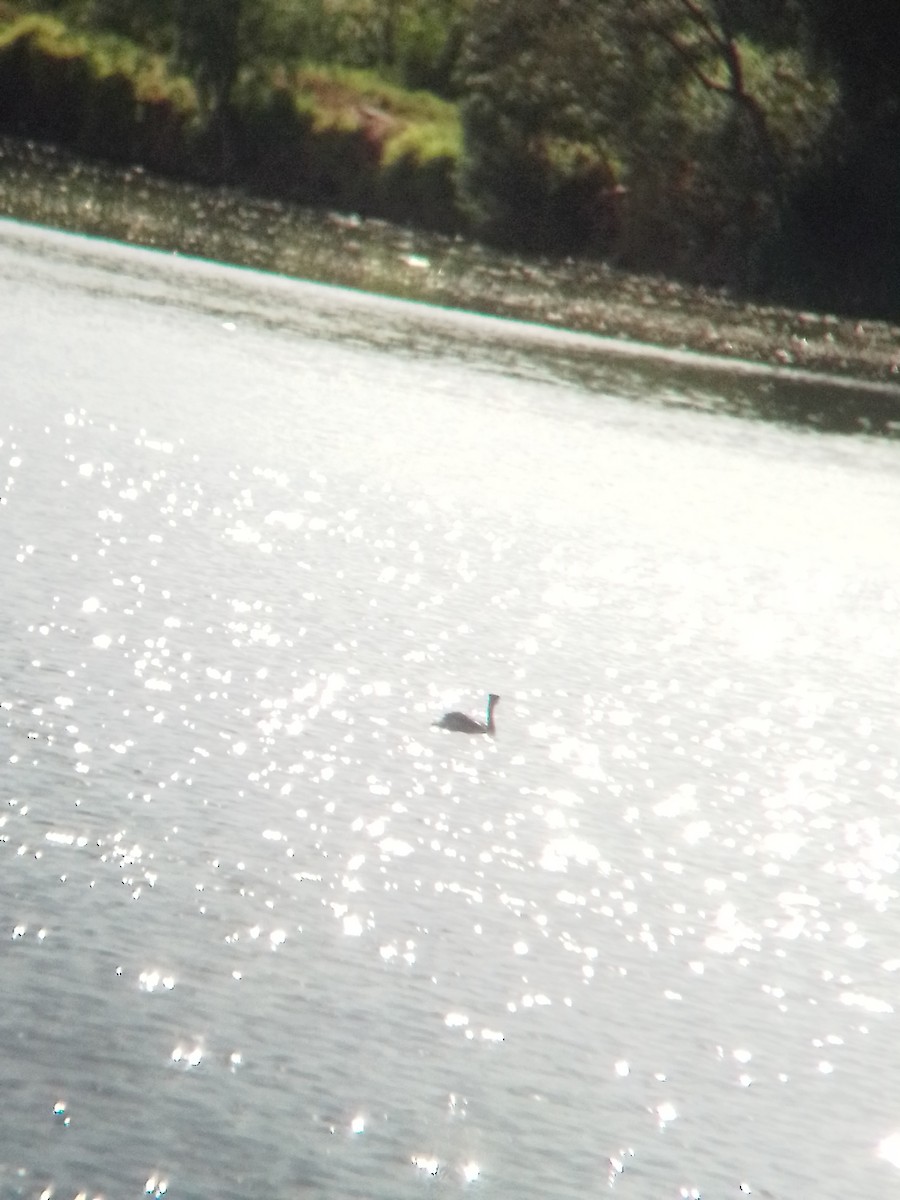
460,722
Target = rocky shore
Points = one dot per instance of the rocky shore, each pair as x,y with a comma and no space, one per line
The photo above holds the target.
44,186
596,299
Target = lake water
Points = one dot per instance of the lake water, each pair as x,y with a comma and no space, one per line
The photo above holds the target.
265,932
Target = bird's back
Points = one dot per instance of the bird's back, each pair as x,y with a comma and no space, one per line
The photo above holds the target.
460,723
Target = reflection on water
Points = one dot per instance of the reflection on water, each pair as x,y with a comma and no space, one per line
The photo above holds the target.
268,932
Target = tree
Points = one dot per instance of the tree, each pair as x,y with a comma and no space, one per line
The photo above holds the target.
529,74
707,111
756,117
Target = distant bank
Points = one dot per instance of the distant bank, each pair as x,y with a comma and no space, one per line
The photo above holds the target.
46,186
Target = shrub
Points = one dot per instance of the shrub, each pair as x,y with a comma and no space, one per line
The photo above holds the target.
99,96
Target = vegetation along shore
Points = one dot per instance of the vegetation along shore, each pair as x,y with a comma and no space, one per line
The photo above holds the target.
696,173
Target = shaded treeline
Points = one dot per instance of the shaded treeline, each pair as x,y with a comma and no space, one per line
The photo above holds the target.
753,144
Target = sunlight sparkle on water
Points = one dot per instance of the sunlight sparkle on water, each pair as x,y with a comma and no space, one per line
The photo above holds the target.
187,1058
889,1149
687,811
149,981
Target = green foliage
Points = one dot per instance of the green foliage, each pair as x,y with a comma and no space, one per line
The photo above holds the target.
698,130
728,141
748,121
275,143
323,135
416,42
423,141
347,138
533,74
150,23
338,87
413,41
101,96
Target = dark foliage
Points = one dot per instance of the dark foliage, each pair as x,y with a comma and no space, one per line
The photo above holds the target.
748,143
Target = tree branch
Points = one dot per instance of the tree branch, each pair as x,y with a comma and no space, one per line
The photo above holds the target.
729,54
693,8
686,54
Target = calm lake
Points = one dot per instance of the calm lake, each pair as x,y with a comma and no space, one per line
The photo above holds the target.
268,934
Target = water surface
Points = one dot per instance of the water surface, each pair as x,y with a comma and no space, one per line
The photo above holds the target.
269,934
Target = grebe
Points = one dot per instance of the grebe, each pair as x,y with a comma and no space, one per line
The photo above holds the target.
460,722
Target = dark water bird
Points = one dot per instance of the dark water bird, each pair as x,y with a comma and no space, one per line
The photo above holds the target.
460,722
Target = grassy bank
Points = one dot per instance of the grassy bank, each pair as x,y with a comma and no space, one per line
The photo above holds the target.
53,188
308,134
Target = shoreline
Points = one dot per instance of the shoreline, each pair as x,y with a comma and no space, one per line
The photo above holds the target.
42,186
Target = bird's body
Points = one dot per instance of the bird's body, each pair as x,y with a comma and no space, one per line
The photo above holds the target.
460,722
